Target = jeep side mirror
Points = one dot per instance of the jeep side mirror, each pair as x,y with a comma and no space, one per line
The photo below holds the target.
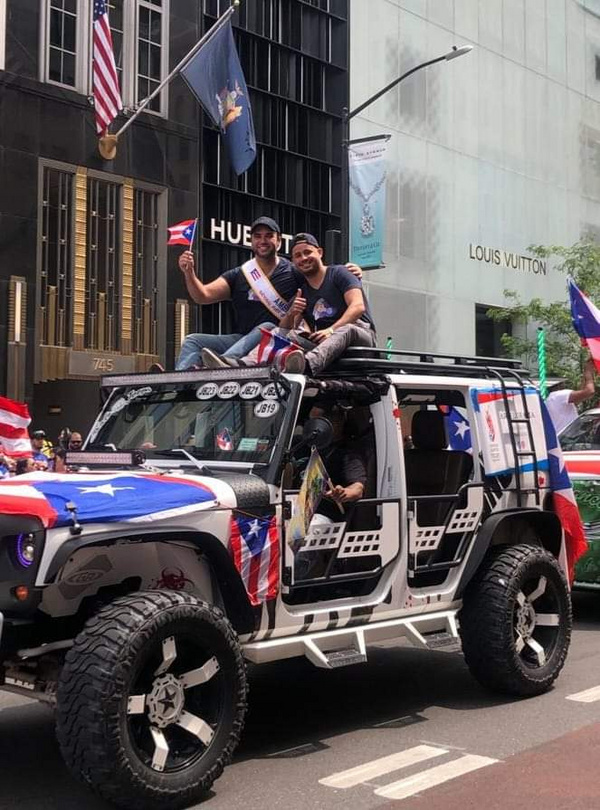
317,432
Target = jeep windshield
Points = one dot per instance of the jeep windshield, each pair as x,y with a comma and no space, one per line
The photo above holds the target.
221,422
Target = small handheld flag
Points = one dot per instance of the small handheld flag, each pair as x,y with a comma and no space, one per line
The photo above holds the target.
183,233
274,348
586,321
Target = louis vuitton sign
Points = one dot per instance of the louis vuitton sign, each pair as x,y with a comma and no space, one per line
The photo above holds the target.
505,258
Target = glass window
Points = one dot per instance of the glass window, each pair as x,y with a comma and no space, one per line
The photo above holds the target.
62,42
149,51
145,276
56,250
488,333
103,284
582,434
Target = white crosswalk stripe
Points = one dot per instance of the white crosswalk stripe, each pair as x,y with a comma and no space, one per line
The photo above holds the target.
587,696
433,776
416,783
379,767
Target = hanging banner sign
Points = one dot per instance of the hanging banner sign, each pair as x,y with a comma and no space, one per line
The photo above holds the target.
495,429
367,179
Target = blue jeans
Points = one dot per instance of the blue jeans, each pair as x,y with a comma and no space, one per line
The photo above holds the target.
230,345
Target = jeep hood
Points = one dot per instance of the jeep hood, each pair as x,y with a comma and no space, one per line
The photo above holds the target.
117,497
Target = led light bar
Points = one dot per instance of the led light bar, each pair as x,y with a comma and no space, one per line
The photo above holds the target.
85,458
174,377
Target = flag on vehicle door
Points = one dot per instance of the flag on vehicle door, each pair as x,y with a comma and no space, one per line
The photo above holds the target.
216,78
316,483
254,547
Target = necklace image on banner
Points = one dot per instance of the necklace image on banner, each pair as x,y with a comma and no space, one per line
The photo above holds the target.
367,181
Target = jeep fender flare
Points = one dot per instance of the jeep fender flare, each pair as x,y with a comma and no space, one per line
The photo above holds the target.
236,603
544,523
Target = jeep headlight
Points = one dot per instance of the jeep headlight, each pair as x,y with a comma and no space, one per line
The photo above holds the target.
25,549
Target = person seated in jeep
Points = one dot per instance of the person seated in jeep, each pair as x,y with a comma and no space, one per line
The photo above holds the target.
331,302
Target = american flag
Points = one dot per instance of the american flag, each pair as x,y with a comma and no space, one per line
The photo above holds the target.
183,233
14,421
563,496
107,96
254,547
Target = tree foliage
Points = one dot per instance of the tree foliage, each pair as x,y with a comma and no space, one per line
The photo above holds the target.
564,354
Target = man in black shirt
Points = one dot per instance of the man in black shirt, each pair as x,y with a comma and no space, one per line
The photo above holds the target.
332,303
249,310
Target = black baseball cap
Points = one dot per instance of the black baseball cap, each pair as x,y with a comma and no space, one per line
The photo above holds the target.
307,238
39,434
267,222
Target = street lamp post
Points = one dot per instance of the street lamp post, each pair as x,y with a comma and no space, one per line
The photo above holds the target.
348,115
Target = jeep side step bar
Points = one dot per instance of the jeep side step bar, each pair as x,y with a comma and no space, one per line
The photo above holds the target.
331,649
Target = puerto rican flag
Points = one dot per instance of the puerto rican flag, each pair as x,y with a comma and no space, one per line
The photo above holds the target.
274,348
254,547
564,502
127,497
457,428
586,321
14,421
183,233
224,440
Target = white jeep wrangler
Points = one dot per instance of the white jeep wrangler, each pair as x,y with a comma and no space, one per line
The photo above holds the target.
134,589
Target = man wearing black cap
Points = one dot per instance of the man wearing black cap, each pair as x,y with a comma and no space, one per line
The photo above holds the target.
259,291
331,301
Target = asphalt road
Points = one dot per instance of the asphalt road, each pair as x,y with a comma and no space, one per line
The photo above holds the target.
408,719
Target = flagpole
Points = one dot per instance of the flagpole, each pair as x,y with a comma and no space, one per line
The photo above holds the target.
107,145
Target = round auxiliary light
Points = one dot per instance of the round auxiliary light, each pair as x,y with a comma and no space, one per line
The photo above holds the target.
25,549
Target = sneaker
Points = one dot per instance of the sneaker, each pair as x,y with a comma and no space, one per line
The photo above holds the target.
155,368
213,360
294,362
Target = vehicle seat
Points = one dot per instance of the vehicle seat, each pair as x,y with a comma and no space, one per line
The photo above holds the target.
432,469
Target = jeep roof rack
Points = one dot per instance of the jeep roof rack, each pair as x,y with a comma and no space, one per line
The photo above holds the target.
386,361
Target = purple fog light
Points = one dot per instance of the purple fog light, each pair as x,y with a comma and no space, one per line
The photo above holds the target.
25,549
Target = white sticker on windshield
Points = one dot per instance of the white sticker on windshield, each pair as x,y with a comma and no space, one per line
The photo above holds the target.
207,391
269,391
250,390
266,408
228,390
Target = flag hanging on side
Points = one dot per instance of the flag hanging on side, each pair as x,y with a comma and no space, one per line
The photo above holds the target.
254,547
183,233
14,421
586,321
107,96
216,78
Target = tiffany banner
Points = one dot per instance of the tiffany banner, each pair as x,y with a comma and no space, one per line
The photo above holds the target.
367,173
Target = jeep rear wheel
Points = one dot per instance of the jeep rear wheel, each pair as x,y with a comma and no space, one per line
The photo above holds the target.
515,623
151,700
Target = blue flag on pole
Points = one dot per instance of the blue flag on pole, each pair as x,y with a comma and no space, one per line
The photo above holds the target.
215,77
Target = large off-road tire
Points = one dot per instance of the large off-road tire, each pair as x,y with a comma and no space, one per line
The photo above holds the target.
515,623
151,700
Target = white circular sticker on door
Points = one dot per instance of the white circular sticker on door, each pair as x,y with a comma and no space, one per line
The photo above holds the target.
250,390
266,408
207,391
229,390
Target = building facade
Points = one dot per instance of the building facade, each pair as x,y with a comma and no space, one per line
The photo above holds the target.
490,153
87,283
